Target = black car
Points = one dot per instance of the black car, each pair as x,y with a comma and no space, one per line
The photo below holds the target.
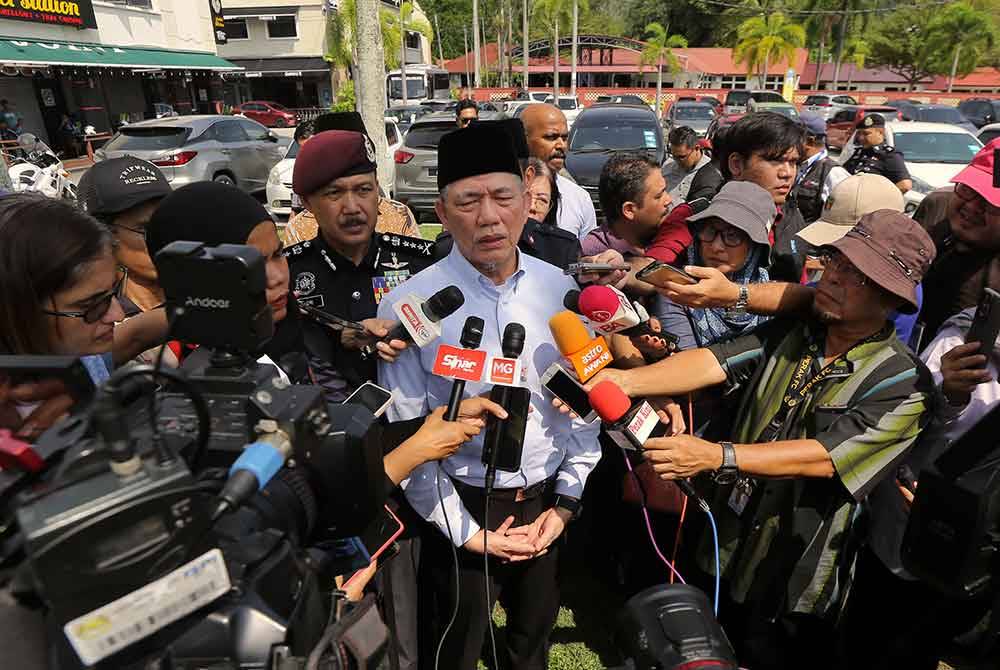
918,111
981,111
603,129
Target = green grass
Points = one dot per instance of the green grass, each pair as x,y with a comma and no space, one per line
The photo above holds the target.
568,650
429,231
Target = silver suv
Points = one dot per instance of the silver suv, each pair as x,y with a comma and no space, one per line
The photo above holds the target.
416,162
827,105
226,149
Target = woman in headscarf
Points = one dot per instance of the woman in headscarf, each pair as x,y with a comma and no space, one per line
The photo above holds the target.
731,235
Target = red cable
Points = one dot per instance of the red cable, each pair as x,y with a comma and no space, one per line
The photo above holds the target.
684,507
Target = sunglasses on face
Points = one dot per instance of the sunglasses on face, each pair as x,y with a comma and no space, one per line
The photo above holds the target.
98,309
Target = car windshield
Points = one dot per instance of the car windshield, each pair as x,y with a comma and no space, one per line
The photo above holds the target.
293,150
415,87
988,136
427,136
694,113
567,103
817,100
784,110
614,134
942,115
737,97
280,108
147,139
936,147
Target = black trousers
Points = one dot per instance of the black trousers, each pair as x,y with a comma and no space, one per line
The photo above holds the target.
528,592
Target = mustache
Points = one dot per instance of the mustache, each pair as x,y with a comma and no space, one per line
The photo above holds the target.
558,154
352,220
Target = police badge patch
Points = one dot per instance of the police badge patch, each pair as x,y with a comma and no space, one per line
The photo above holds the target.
305,283
370,149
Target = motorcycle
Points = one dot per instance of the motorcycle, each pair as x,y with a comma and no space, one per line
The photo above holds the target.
34,167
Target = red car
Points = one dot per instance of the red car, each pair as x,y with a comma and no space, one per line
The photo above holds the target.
841,125
268,113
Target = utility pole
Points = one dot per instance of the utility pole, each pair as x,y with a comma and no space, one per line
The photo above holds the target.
572,74
437,28
475,38
954,66
465,38
524,40
402,50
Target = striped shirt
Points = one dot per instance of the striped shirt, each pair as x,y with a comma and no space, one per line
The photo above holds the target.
791,548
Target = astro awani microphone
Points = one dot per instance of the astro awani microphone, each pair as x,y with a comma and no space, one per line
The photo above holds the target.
588,355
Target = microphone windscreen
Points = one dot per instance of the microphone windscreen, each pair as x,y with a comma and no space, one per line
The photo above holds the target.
444,303
609,401
571,301
569,332
472,332
512,343
598,303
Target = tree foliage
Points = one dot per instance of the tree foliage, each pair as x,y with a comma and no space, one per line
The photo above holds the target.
762,41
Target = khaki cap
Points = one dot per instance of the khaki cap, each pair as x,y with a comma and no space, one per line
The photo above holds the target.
850,200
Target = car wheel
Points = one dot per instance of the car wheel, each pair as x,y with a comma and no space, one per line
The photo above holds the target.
224,179
281,122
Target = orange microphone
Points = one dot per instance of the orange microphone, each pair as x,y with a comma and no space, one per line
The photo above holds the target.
588,355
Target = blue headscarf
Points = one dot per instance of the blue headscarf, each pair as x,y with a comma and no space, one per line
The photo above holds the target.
719,324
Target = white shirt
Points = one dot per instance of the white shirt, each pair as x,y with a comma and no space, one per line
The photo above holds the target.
576,210
553,444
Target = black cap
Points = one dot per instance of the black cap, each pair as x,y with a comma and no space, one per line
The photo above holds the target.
514,128
479,149
872,121
119,184
339,121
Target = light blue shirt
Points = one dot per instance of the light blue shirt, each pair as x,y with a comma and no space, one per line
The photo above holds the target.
553,444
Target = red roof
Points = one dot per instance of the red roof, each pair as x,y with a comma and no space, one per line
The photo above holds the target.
982,77
712,60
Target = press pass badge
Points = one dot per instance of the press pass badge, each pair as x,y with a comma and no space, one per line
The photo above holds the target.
740,495
137,615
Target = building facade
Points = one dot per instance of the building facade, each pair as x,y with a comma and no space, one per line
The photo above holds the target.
104,63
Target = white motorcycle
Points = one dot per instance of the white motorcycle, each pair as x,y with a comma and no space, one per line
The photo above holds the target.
34,167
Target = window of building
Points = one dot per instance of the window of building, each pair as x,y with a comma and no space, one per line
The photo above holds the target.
282,27
733,81
412,39
236,29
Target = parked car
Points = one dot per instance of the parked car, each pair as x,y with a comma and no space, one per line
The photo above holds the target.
695,115
714,102
738,99
162,110
783,108
989,133
531,96
440,105
827,105
932,114
721,122
934,153
268,114
416,163
601,130
980,111
279,181
840,127
404,117
569,105
226,149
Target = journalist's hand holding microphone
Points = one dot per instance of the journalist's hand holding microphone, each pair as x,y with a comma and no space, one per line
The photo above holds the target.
682,456
375,329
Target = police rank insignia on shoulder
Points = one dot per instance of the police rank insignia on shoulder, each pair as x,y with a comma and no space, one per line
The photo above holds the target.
387,282
297,249
412,245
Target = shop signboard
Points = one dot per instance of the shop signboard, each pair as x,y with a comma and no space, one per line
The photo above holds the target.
218,22
74,13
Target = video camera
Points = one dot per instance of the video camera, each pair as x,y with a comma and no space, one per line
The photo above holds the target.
116,538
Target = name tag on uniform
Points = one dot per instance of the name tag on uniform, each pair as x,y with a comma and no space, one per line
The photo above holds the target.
740,496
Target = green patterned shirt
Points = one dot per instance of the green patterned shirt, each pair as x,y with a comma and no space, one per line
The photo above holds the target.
791,548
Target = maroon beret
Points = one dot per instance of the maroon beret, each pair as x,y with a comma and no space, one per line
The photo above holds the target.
331,155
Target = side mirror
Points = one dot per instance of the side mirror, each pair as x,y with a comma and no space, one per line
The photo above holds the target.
989,118
272,136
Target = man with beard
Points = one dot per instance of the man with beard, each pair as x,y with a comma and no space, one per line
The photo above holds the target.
545,126
832,402
348,268
964,222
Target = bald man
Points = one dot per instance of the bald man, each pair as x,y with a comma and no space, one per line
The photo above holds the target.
545,126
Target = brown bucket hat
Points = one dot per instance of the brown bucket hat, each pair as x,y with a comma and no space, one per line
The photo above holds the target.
892,250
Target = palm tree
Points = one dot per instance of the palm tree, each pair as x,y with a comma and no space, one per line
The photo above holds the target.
760,41
659,50
371,74
551,13
977,33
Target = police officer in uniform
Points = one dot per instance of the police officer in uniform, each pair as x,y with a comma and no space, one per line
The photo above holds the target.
818,173
873,155
544,241
348,268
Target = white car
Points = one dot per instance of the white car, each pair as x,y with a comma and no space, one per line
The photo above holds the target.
569,105
279,182
988,133
934,153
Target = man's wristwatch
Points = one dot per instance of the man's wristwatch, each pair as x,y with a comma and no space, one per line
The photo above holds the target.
728,472
571,505
740,307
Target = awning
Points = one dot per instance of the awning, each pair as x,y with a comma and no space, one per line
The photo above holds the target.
288,67
20,52
251,12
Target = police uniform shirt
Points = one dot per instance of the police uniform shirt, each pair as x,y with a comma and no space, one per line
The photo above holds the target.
880,159
326,280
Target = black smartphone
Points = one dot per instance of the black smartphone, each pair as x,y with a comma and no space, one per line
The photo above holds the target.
595,268
986,324
326,319
562,385
379,538
507,437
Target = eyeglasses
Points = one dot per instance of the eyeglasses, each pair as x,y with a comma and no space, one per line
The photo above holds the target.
141,232
731,237
969,194
95,312
679,158
838,262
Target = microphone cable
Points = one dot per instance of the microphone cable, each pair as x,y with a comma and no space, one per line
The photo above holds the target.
454,557
486,568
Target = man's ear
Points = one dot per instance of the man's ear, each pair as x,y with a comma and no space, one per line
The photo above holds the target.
629,210
735,165
439,210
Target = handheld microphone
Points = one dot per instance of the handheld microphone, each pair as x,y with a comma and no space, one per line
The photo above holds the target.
462,364
629,426
418,318
506,437
610,311
588,356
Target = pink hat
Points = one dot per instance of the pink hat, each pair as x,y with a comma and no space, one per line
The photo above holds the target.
979,174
